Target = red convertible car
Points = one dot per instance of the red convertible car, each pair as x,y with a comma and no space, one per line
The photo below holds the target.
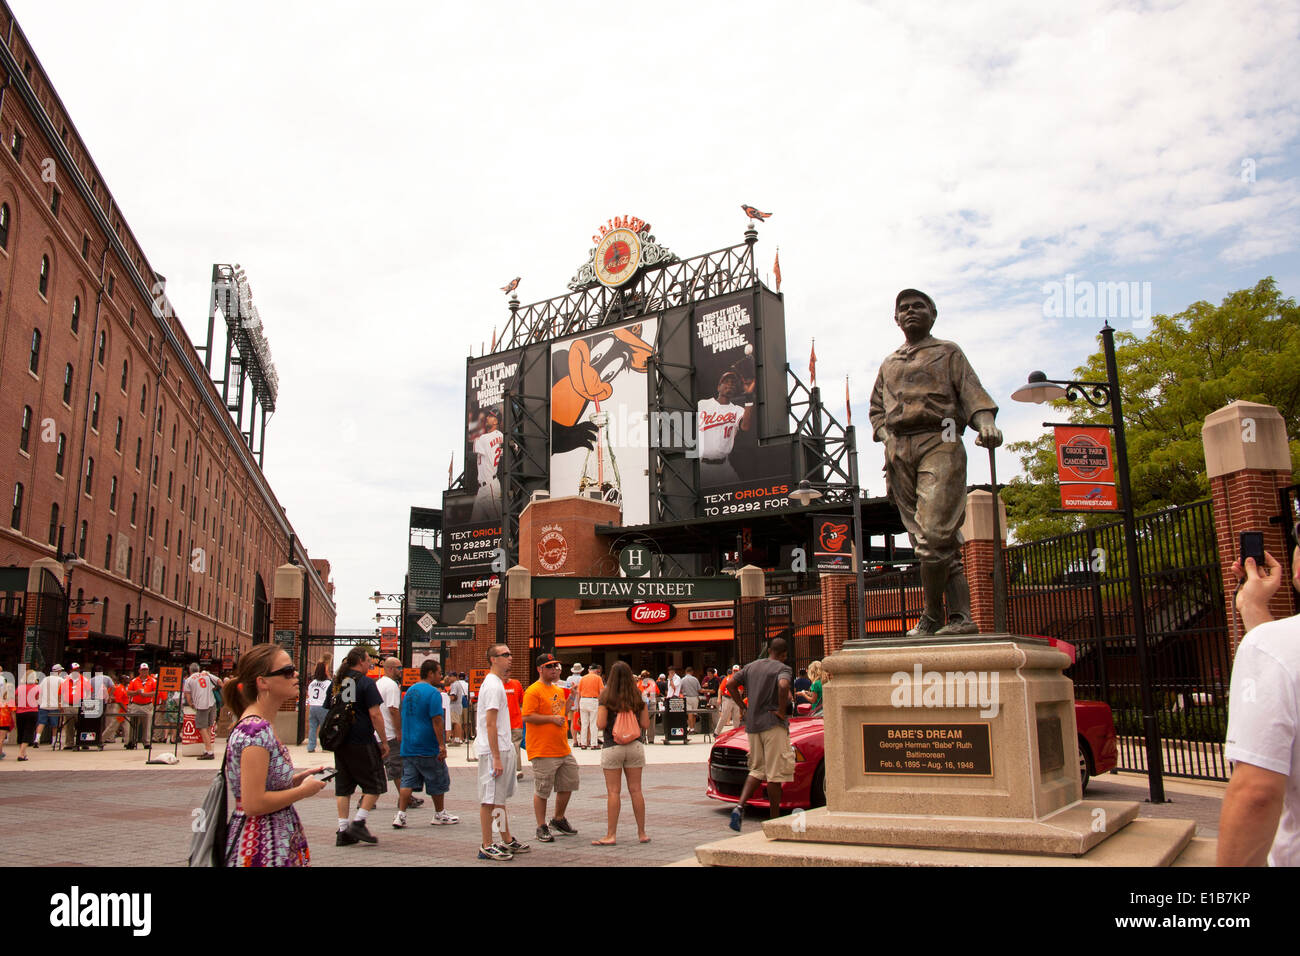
1098,753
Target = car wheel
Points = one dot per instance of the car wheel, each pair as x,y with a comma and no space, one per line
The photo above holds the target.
1085,766
817,790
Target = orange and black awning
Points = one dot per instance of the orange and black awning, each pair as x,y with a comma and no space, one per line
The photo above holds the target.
688,635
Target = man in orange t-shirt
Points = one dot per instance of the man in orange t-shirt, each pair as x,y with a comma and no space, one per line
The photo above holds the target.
514,701
589,689
548,751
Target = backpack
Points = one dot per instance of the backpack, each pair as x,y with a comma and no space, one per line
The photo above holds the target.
338,721
208,846
626,728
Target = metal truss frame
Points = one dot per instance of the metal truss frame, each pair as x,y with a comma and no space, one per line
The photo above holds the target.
657,289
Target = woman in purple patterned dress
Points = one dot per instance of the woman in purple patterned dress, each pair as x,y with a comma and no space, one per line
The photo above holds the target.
264,827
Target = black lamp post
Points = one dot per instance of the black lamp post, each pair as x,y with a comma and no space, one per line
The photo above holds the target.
806,494
1040,389
402,650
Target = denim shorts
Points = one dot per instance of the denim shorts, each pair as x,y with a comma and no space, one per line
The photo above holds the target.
428,773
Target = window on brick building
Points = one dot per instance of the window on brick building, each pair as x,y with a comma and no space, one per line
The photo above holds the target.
130,553
135,499
85,246
55,199
54,525
167,533
112,494
34,359
16,145
90,475
112,281
174,436
81,540
76,314
153,478
139,447
117,437
16,515
25,435
151,513
67,384
108,553
43,285
169,486
58,454
94,412
144,397
103,344
4,225
124,371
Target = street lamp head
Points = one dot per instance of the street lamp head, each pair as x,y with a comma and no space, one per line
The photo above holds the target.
805,493
1038,390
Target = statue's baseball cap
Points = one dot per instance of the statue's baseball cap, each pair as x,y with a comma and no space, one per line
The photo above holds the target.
908,292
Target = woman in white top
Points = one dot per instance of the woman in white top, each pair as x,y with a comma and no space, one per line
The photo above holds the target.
316,709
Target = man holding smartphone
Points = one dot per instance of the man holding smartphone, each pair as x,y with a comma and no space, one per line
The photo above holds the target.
1259,823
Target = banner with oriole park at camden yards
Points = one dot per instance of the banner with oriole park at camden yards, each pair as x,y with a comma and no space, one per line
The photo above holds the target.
1085,468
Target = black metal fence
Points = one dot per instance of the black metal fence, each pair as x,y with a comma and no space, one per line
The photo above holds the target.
1075,587
796,617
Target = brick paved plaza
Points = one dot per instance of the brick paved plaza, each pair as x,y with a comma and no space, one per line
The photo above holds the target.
52,815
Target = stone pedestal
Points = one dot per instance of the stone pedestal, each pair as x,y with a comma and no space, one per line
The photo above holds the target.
957,751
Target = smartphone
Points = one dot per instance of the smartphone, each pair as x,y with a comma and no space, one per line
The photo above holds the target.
326,775
1252,546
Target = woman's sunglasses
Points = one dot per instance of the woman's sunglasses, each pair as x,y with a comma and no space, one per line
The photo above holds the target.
287,671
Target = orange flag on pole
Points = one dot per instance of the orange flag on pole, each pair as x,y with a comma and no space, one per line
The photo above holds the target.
450,465
848,406
812,363
776,268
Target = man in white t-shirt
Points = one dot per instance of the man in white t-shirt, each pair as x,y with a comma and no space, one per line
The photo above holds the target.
459,695
487,456
496,760
390,693
197,693
1259,821
47,711
716,422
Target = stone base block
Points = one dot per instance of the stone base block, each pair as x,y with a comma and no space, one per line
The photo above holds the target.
1072,831
1141,843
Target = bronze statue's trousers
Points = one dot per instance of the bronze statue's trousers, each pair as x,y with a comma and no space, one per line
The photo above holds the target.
926,478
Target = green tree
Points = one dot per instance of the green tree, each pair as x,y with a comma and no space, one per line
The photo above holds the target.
1187,366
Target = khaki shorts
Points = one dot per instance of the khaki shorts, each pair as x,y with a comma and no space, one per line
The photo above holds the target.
771,757
618,756
554,773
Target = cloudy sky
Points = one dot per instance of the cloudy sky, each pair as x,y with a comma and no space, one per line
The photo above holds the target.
381,169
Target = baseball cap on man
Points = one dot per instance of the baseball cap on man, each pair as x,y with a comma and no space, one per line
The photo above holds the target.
545,660
144,667
56,669
75,666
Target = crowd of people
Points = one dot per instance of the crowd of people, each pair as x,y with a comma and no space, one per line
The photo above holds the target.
81,710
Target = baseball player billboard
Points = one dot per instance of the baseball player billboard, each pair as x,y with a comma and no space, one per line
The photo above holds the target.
472,521
737,474
600,435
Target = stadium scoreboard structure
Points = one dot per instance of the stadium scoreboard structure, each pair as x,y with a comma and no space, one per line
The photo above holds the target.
658,384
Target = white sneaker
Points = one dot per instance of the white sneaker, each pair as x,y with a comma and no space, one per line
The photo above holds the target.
442,818
399,821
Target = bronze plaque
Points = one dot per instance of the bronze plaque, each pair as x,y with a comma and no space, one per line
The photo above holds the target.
927,750
1051,748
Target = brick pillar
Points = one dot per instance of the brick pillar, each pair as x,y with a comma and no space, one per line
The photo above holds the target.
286,615
835,618
977,554
519,623
1248,460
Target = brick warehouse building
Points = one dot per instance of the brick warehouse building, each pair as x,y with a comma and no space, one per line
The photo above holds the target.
115,446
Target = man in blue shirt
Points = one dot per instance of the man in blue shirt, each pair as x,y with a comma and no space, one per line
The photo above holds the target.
424,747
